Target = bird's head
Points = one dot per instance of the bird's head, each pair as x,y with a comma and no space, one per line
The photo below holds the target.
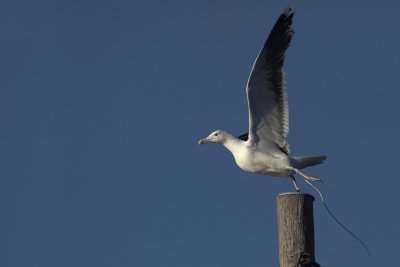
215,137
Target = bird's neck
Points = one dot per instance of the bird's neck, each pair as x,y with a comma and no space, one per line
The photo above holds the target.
233,144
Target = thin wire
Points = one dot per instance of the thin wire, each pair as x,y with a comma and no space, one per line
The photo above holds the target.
337,220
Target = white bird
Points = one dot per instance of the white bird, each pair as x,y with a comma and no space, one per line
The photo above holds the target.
264,149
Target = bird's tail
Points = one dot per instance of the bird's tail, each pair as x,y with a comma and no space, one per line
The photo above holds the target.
304,162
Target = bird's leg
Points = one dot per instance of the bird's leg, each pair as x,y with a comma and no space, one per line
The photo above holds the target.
309,178
295,183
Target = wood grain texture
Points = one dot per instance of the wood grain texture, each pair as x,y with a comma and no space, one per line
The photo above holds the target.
295,227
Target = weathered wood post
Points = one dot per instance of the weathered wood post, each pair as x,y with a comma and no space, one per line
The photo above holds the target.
295,228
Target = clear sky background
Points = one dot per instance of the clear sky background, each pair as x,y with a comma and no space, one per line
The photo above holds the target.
102,104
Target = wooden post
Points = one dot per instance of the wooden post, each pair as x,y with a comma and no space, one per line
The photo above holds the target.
295,228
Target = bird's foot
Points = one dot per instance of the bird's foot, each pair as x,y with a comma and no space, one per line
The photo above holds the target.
308,178
312,179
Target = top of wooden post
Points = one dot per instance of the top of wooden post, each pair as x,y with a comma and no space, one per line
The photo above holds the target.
296,193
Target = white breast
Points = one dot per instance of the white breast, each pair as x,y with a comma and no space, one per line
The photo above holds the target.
251,160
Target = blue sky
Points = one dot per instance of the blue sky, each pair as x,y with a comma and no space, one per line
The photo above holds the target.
102,104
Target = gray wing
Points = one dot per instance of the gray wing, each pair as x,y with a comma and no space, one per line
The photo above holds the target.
266,90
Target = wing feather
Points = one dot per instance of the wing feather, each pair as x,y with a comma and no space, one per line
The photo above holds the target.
266,89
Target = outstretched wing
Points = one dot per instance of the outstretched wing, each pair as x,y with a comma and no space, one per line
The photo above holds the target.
266,89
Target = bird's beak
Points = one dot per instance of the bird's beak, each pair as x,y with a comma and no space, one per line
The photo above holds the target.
203,141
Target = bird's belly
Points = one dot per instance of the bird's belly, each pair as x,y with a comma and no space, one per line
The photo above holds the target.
263,164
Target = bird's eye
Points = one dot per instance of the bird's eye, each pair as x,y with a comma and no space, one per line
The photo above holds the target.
216,134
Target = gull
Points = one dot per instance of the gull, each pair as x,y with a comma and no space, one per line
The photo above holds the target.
264,149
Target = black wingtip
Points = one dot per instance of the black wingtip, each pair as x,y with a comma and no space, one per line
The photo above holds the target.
287,16
288,11
281,34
